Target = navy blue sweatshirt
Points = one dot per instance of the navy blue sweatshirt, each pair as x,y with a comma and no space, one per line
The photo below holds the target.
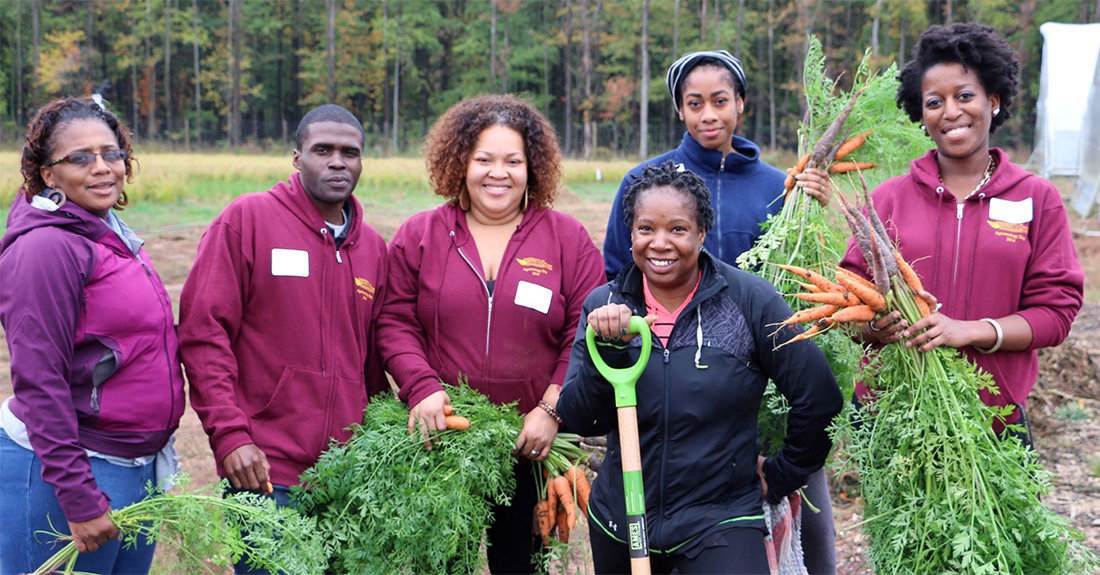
744,191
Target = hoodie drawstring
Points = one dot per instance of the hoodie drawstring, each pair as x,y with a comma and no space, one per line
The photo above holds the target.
699,338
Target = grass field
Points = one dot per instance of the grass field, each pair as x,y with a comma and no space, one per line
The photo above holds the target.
178,190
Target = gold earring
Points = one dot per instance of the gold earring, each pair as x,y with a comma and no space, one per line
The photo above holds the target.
464,195
525,194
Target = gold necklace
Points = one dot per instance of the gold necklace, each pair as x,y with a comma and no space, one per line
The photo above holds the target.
985,178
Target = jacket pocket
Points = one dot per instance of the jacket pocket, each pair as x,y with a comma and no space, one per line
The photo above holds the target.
291,426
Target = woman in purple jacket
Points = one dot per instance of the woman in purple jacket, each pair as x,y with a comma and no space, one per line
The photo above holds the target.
487,289
94,356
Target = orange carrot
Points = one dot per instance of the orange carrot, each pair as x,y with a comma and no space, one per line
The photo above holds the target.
797,169
810,314
565,498
545,519
576,476
907,274
457,422
851,145
854,313
563,526
838,299
814,331
847,277
268,489
862,289
552,494
922,305
813,277
448,409
845,167
810,287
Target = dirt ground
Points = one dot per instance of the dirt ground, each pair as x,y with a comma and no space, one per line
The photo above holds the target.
1067,438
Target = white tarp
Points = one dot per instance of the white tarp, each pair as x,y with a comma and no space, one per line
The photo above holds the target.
1088,177
1069,64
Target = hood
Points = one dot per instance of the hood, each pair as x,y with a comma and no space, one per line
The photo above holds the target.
292,195
31,213
926,173
745,154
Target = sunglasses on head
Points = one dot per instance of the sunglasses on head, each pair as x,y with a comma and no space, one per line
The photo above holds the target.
87,158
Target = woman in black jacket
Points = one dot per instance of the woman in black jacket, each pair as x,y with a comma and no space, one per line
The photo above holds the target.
699,395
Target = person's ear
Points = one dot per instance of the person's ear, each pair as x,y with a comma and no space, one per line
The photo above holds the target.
995,103
296,160
47,176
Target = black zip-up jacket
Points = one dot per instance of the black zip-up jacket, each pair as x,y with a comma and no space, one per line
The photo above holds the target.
698,401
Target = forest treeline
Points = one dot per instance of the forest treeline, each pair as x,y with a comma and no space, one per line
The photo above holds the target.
189,74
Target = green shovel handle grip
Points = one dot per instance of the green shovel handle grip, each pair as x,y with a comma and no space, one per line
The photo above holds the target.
622,378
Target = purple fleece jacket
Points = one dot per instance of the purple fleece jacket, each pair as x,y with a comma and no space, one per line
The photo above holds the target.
1006,250
439,322
94,355
277,328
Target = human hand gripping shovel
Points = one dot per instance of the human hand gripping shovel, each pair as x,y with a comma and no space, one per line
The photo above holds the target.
623,381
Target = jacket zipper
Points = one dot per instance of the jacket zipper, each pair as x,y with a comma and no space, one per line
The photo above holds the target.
489,319
164,342
958,240
324,314
718,203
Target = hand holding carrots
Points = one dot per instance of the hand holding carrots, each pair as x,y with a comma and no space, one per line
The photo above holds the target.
428,417
536,436
816,184
612,322
89,536
246,467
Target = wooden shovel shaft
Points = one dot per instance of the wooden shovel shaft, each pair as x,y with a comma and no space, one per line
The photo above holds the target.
637,539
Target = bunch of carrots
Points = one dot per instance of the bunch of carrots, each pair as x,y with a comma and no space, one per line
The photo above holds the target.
828,155
563,487
851,298
560,480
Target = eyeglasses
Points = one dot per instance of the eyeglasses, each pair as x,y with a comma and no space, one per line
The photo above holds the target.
88,158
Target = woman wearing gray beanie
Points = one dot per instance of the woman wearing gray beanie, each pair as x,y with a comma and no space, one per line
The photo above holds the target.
708,90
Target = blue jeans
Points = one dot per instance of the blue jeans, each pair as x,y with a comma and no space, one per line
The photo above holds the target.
281,494
28,505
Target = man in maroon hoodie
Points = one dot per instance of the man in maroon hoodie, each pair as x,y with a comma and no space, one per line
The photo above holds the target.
277,315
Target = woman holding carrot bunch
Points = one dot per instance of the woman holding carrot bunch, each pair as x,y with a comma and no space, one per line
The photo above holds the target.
708,90
714,350
487,289
990,241
94,356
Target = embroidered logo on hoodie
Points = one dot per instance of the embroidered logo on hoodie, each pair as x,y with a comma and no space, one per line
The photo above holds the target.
535,266
364,288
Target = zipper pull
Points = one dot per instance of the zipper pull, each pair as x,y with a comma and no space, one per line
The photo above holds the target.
722,164
666,355
339,260
959,210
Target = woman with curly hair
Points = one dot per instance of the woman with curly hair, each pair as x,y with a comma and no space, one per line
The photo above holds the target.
968,219
487,289
714,351
94,355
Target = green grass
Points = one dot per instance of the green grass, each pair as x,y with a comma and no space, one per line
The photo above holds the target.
183,190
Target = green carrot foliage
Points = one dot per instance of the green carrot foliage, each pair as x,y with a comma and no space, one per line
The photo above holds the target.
210,532
387,505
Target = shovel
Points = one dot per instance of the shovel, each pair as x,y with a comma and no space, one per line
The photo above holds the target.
623,381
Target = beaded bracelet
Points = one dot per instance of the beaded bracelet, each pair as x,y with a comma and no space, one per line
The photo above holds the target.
550,410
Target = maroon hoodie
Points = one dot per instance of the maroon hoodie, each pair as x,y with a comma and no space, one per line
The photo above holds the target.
1006,250
276,328
439,321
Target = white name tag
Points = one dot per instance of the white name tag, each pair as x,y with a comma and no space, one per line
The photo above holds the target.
533,296
1011,212
289,263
